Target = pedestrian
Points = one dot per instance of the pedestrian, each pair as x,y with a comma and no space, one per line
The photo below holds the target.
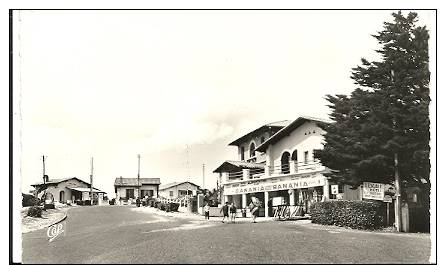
254,206
225,210
233,211
146,199
138,201
206,209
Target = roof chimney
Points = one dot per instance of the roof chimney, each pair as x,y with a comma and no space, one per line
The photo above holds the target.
120,179
46,178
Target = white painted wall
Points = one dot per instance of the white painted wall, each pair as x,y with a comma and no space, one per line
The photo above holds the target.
257,142
297,140
184,186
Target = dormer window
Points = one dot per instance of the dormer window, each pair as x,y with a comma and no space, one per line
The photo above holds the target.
262,139
252,151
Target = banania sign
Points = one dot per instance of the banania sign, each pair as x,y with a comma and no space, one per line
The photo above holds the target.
303,182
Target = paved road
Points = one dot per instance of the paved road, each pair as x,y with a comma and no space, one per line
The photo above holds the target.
118,234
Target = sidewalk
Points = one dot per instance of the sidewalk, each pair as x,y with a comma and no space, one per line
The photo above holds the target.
196,216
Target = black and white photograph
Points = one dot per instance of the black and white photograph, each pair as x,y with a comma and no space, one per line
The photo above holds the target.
236,136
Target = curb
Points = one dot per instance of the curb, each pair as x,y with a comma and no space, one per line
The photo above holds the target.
61,219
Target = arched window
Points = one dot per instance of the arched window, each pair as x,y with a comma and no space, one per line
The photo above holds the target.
252,151
242,153
285,163
294,155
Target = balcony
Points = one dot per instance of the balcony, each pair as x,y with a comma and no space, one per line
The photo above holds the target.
293,168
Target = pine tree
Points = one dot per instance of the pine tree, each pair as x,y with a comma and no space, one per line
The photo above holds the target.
387,114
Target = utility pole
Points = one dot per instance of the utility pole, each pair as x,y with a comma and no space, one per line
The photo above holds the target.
203,176
43,159
44,180
91,182
139,158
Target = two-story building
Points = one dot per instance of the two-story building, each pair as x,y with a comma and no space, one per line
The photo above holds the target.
280,165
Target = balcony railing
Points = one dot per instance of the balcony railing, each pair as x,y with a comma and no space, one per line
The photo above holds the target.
293,167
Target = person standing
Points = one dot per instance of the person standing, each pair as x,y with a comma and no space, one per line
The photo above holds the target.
254,206
225,210
233,211
206,209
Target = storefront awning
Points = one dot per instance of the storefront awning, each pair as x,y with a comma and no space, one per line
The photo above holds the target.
86,189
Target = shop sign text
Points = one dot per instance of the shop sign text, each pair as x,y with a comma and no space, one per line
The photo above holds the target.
280,185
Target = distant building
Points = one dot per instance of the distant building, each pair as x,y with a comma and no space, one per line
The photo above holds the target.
127,188
178,189
69,190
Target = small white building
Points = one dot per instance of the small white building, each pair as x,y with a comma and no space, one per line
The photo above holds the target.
69,190
131,188
176,190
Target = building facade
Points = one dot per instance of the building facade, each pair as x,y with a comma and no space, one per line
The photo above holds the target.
131,188
288,175
69,190
176,190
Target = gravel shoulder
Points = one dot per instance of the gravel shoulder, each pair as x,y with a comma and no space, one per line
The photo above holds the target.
49,217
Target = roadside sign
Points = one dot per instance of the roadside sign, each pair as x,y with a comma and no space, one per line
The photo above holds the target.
334,189
387,198
373,191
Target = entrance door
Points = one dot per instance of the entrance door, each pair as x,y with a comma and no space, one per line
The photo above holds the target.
62,196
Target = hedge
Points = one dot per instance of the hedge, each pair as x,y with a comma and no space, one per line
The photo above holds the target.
353,214
168,207
35,211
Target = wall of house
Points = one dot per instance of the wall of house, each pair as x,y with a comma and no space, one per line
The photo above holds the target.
184,186
121,191
63,186
257,141
297,140
149,187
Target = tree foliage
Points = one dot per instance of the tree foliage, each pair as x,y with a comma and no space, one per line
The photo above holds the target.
387,114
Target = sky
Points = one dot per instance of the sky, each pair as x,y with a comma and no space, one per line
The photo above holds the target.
114,84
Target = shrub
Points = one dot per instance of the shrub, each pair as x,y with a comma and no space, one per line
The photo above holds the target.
29,200
172,207
35,211
161,206
353,214
152,203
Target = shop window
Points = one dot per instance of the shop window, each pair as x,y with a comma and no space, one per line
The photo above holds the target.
252,151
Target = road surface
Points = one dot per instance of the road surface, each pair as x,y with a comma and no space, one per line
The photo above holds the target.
119,234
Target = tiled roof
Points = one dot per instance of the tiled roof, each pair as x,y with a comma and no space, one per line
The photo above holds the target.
234,165
286,130
277,124
134,181
173,184
56,181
